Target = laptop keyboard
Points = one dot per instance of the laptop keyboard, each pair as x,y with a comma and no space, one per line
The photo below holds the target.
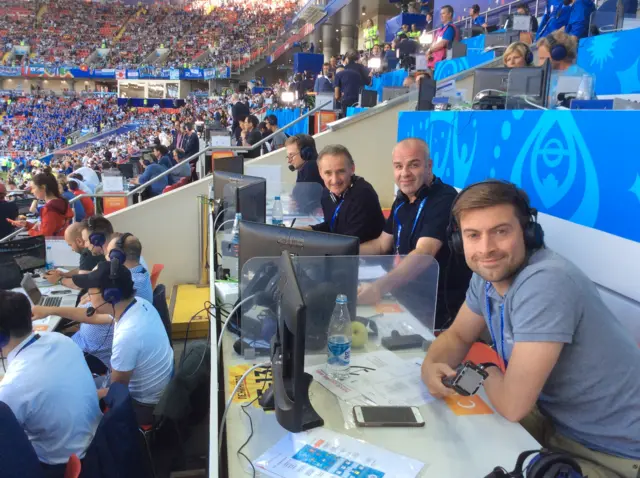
51,301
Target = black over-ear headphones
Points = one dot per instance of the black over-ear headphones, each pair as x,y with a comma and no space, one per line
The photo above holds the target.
96,239
528,55
307,149
117,254
546,464
532,231
557,50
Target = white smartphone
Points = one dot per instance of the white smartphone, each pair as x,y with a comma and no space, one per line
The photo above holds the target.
388,417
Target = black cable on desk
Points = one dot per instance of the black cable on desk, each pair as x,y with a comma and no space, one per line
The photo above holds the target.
244,407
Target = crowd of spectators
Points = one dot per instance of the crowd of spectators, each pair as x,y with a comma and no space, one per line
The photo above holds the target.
201,34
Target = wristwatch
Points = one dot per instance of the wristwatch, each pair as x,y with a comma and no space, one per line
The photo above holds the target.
487,365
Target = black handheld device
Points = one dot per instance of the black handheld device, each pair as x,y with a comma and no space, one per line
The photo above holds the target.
468,379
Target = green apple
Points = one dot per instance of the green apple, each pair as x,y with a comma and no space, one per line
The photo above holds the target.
359,335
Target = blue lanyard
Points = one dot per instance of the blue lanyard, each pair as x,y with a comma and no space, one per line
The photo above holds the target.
501,352
415,223
335,215
31,341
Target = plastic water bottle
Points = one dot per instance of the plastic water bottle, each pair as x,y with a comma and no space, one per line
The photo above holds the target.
339,340
48,259
585,90
277,216
235,245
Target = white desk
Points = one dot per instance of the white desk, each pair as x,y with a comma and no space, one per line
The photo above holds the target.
452,446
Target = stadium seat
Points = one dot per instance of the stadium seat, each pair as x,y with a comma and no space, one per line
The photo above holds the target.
155,274
74,467
181,182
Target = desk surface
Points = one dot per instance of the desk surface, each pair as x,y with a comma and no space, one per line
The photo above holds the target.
451,445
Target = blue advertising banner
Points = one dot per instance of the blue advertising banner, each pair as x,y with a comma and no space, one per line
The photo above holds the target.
614,59
9,71
38,71
563,159
192,74
133,74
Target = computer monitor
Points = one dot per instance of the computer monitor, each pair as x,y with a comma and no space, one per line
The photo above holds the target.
240,193
126,170
426,92
529,85
502,39
264,240
23,205
492,81
289,392
29,253
230,164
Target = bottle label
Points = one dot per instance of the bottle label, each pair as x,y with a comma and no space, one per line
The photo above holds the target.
339,353
277,222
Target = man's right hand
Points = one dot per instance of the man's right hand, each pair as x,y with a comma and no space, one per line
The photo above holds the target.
432,375
53,276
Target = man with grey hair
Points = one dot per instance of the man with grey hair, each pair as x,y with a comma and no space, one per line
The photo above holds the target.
349,203
418,225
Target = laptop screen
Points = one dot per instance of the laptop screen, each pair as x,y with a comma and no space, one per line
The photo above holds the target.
29,253
30,287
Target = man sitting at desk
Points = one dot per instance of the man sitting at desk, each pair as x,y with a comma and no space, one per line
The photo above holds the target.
418,225
48,387
142,358
73,237
572,371
152,170
349,203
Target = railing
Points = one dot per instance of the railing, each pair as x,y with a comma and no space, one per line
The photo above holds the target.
140,189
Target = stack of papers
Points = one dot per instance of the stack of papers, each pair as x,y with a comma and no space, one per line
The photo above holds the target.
377,378
322,453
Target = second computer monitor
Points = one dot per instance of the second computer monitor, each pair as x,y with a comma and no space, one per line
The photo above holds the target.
230,164
239,193
490,82
29,253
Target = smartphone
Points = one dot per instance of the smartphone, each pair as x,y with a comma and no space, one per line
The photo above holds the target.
60,292
388,417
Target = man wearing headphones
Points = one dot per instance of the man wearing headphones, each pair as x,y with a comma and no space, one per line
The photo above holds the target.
302,156
349,203
417,225
127,249
571,370
141,357
47,385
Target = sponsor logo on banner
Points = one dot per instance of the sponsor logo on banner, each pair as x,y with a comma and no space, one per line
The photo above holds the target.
174,74
121,74
133,74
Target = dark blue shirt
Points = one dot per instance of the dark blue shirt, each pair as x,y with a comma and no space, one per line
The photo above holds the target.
350,83
556,15
150,172
578,23
479,21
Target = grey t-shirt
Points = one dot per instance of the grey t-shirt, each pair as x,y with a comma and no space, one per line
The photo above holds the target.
278,141
593,393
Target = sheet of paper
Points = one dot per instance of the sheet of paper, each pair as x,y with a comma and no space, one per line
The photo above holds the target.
220,140
253,386
376,378
59,253
371,272
322,453
112,184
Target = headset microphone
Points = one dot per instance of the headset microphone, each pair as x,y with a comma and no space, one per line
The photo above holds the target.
91,311
292,168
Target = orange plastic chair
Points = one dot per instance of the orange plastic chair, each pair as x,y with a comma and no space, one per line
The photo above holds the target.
482,353
74,467
155,274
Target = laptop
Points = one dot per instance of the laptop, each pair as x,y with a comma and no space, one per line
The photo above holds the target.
33,291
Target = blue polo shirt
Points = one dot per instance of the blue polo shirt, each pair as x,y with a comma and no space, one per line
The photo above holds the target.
578,23
150,172
556,15
479,21
449,33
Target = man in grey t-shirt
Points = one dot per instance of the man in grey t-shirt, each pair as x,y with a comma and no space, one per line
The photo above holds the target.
278,140
572,371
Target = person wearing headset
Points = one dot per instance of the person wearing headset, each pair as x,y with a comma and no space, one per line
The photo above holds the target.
417,226
349,203
142,357
301,157
561,50
517,55
48,387
566,368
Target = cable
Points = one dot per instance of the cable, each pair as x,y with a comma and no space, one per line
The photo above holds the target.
230,400
531,103
225,222
244,410
215,221
226,322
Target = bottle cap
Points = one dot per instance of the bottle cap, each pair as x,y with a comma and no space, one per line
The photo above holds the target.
341,299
